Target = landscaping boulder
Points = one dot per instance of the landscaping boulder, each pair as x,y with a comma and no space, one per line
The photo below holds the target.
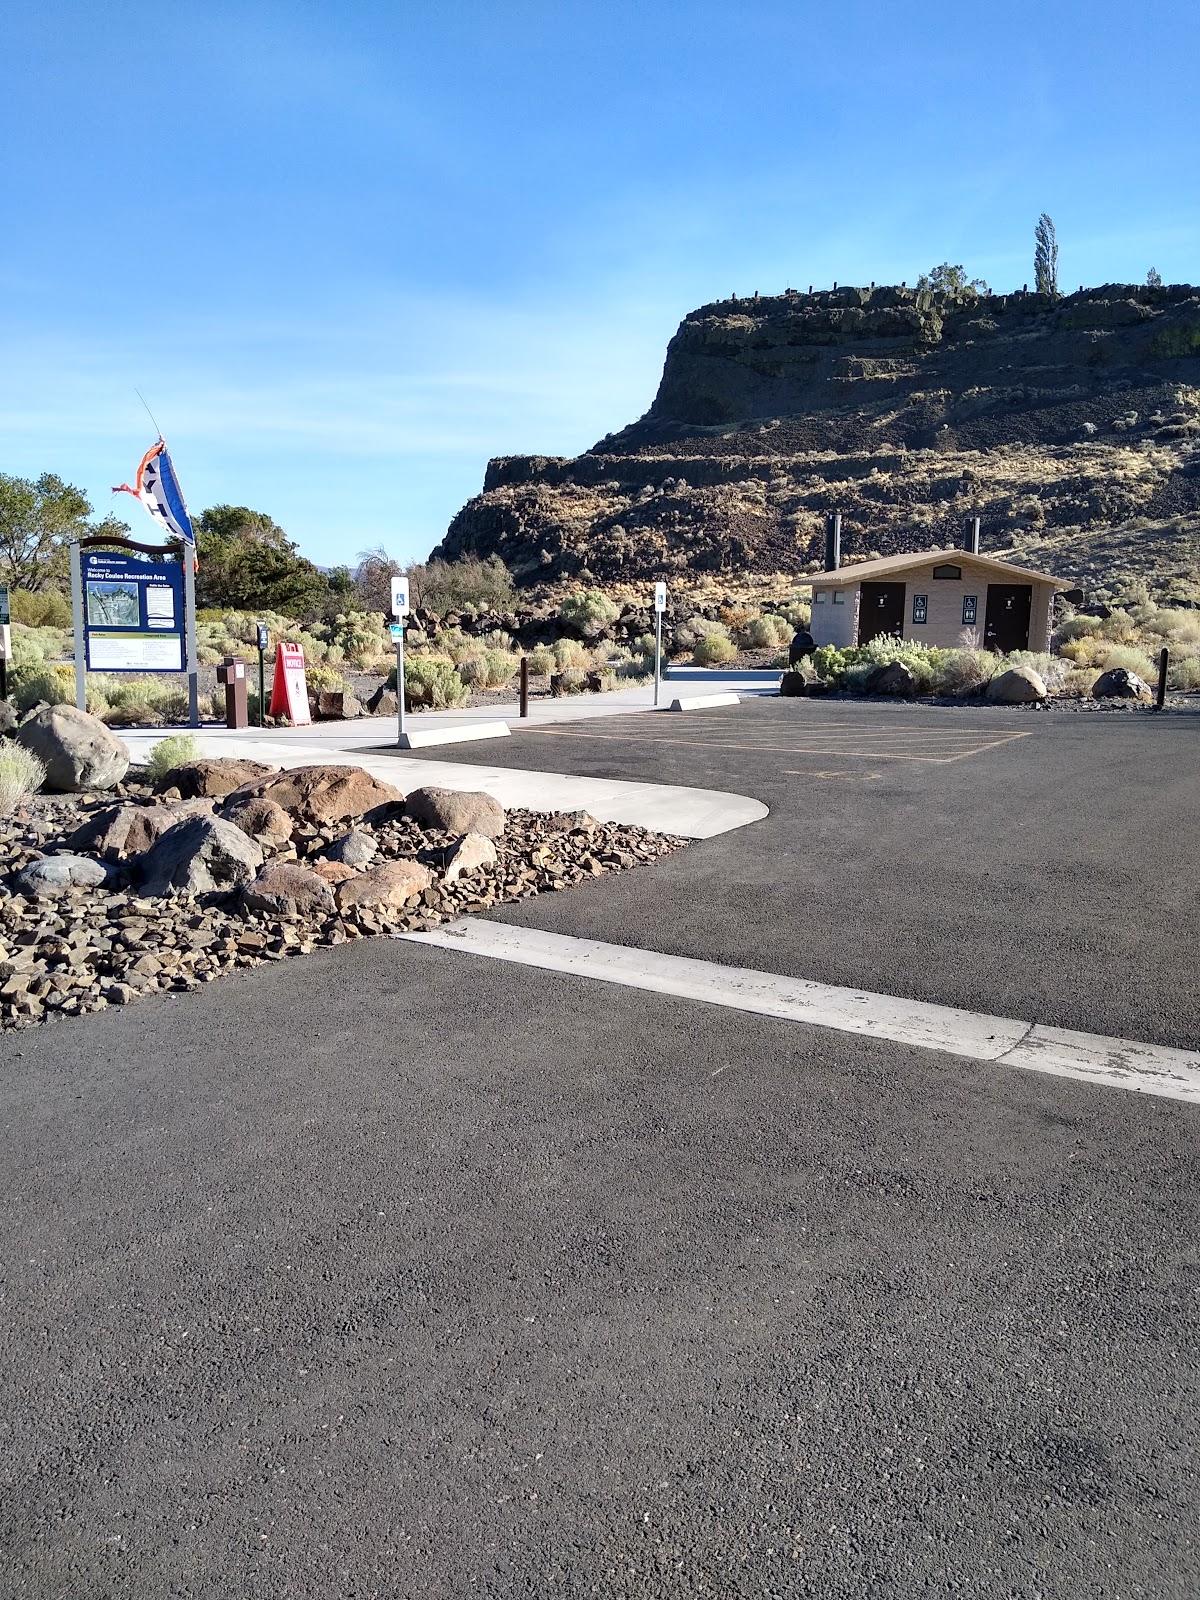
322,794
1017,686
1118,683
214,777
8,717
287,889
457,811
333,872
893,677
261,819
390,886
356,848
76,749
55,874
471,853
200,855
335,704
384,703
792,684
117,833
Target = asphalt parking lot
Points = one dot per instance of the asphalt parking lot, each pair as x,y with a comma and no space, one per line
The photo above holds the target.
395,1271
1035,865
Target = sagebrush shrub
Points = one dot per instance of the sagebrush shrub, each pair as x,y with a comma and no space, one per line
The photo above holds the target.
21,775
589,610
171,752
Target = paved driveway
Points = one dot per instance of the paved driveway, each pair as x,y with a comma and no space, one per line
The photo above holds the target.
391,1273
399,1272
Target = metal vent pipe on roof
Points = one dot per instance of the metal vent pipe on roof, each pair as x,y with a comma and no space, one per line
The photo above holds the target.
833,542
971,542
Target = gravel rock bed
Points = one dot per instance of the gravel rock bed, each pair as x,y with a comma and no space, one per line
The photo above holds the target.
86,948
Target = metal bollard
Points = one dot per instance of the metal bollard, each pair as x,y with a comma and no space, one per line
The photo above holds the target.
524,686
1164,656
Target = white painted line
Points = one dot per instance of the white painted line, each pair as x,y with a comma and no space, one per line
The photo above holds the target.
422,738
701,702
1088,1057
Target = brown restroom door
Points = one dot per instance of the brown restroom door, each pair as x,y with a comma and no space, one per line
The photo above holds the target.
881,610
1006,624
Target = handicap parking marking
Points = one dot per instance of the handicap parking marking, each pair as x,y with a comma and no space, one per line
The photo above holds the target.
838,743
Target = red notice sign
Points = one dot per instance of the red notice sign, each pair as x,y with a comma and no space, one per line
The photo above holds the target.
289,690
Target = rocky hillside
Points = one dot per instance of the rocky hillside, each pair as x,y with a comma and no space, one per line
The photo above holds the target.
1071,426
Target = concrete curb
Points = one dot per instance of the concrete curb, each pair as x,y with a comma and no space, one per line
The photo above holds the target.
663,807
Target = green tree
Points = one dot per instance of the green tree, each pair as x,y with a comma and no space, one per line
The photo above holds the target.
948,279
1154,279
39,518
248,563
1045,256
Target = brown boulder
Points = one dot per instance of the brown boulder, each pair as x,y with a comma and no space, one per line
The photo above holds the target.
333,872
288,889
118,832
261,819
335,704
214,778
388,887
323,793
457,811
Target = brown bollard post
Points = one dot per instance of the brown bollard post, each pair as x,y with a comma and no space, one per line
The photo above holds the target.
524,686
232,673
1164,657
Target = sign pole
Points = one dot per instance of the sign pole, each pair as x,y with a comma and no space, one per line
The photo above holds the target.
660,605
262,638
77,624
399,612
189,625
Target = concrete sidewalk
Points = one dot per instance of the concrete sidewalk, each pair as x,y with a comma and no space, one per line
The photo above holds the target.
667,808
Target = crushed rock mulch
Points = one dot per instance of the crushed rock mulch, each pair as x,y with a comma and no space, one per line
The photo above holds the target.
86,949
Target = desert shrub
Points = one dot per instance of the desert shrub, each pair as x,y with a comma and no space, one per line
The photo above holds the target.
1076,628
570,656
46,609
737,618
33,647
644,646
43,684
918,658
767,632
798,613
432,682
324,679
713,650
589,610
132,702
1184,674
490,669
964,671
541,660
689,633
172,752
830,662
1132,660
361,636
21,775
573,680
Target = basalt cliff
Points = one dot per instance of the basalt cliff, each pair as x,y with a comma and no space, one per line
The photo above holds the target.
1070,425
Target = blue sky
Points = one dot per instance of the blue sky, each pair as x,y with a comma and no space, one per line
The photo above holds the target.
348,252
